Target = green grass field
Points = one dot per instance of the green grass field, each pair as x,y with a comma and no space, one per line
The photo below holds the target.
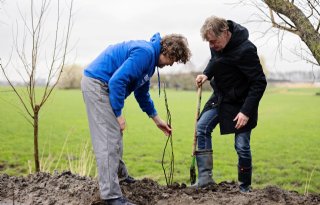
285,145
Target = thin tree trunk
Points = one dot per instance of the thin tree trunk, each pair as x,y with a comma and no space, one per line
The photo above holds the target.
35,135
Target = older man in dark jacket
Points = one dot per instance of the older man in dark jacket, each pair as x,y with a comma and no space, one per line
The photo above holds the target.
238,81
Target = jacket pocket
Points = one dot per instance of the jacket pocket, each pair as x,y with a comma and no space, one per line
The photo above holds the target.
234,95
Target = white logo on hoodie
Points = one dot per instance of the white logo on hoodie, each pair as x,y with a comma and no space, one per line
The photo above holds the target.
145,79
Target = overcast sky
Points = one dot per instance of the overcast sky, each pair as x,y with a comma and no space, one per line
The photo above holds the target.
98,23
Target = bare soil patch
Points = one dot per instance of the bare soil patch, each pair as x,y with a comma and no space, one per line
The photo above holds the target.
67,188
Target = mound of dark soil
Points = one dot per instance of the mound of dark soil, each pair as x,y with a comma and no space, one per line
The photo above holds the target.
67,188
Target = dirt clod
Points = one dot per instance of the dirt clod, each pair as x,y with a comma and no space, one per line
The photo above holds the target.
68,188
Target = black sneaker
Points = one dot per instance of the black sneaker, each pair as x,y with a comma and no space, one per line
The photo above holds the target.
128,180
118,201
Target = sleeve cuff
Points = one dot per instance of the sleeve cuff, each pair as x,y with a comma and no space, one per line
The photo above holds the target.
117,112
153,115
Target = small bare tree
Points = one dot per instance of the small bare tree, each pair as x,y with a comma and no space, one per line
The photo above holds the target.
31,102
300,17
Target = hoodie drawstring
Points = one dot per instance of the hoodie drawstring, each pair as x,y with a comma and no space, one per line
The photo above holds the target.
158,81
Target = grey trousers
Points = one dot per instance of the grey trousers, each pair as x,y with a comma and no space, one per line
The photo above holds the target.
105,136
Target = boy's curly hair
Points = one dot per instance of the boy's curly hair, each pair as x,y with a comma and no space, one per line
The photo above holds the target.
175,47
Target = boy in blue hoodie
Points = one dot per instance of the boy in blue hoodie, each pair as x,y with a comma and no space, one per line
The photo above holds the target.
117,72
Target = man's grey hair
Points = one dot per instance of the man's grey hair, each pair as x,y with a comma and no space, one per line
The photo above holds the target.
213,25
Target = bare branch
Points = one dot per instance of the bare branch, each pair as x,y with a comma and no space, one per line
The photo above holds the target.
23,59
276,25
313,7
286,22
14,89
301,18
16,107
311,13
23,18
36,40
64,53
53,55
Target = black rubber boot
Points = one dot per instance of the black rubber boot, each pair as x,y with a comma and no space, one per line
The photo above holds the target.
244,177
205,165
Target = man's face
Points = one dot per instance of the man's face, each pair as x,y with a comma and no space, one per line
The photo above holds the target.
218,42
164,61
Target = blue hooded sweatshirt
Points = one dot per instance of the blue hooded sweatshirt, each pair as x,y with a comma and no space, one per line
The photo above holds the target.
128,67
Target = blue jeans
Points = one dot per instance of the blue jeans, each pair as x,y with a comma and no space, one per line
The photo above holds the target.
207,122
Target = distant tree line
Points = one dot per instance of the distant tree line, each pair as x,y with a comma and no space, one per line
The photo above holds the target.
72,74
295,76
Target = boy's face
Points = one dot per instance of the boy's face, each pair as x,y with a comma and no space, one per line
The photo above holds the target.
164,61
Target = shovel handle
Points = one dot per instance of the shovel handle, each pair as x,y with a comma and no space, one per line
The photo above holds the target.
196,120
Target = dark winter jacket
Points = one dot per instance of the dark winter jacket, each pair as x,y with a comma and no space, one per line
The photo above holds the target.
237,80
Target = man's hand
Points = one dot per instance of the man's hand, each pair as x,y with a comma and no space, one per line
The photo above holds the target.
122,123
162,125
241,119
200,79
